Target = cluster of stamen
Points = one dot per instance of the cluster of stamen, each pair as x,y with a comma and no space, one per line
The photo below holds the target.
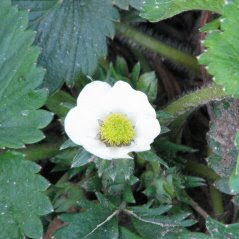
116,130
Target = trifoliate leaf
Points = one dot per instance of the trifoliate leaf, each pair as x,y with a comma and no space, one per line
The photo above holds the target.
148,83
72,34
118,168
19,77
222,231
21,198
222,46
157,10
97,222
124,4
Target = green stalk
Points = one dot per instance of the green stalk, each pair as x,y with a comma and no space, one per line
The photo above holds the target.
194,99
217,203
41,151
159,47
202,170
182,107
207,173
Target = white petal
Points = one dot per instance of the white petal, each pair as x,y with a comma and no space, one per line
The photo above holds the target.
92,95
137,147
80,124
98,148
147,129
123,98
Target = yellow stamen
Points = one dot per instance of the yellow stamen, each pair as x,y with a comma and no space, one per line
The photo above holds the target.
117,130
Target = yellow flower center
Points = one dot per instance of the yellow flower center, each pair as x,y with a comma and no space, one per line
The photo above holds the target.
117,130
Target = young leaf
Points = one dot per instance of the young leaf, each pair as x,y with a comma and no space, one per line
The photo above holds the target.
21,198
19,77
118,168
72,34
148,83
161,9
221,231
150,156
221,56
82,157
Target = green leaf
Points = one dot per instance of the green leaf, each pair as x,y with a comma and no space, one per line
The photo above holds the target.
150,156
234,182
68,144
116,168
145,211
186,235
222,46
97,222
161,9
124,4
60,103
158,226
234,177
223,127
20,122
82,157
223,186
127,234
222,231
148,83
67,196
72,35
21,198
213,25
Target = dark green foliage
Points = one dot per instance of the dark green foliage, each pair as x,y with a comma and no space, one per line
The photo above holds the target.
22,200
80,31
20,122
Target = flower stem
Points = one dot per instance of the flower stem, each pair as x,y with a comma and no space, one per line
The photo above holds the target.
182,107
207,173
159,47
216,200
194,99
202,170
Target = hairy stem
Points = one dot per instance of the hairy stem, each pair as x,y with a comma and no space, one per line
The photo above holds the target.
182,107
194,99
159,47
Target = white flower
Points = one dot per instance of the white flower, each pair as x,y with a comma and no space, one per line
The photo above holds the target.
111,122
